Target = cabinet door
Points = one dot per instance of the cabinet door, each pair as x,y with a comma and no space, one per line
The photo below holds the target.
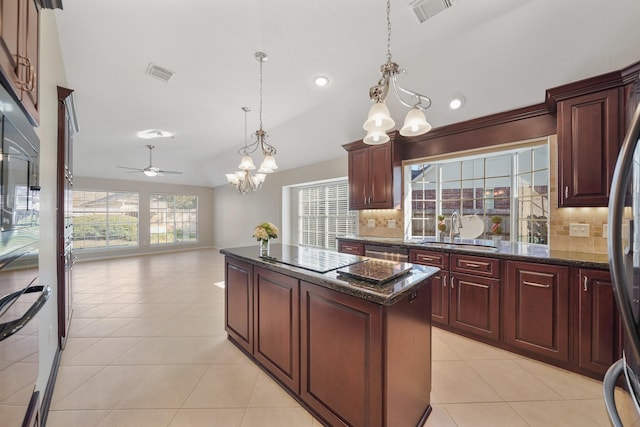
599,327
588,144
380,177
341,338
277,325
537,309
30,72
9,42
475,305
239,302
358,178
439,282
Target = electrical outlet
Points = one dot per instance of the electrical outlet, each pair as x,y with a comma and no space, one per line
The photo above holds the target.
579,230
371,223
391,223
605,231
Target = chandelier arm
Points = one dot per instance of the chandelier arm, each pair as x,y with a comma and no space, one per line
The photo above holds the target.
420,98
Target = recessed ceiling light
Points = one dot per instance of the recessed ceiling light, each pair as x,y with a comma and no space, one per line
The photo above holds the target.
456,102
154,133
321,81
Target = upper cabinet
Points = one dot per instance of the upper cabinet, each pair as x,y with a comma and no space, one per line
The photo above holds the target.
588,144
372,184
19,28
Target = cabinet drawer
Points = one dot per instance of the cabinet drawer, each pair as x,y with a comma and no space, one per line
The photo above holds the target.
431,258
481,266
351,248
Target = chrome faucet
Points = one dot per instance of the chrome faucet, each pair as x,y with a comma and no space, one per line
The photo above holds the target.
456,225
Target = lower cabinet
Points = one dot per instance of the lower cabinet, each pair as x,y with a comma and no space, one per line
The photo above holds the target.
475,305
341,337
537,309
599,330
277,331
439,282
238,302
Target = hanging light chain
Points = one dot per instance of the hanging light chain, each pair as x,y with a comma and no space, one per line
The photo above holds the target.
388,30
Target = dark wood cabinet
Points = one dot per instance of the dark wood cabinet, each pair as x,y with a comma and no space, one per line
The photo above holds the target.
67,127
475,305
277,325
599,334
588,145
353,248
239,302
371,180
19,64
536,312
341,337
439,282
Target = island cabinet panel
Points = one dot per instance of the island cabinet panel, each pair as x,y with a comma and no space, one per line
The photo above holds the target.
341,359
439,282
475,305
599,343
537,309
588,144
277,331
239,302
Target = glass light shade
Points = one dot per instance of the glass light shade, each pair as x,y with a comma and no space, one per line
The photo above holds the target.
374,138
379,118
150,172
246,163
268,164
260,177
415,123
240,174
232,178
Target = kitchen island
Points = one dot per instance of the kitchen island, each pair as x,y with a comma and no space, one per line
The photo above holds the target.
353,352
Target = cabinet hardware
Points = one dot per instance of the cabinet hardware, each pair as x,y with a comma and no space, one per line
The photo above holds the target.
444,280
425,258
586,279
475,264
452,284
412,296
29,84
566,191
477,285
537,285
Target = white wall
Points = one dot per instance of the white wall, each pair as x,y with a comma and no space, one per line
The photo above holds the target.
144,189
52,75
235,216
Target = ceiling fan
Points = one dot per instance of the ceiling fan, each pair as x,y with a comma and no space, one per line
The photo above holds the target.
150,170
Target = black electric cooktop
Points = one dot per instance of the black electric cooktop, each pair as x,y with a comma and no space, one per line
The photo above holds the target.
318,260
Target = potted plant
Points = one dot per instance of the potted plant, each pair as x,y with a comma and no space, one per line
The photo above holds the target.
496,229
442,227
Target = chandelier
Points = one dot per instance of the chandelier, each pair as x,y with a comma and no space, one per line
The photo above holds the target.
243,181
379,120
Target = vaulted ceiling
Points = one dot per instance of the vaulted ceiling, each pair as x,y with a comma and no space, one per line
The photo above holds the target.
499,54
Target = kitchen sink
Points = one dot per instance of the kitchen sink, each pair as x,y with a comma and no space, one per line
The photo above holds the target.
465,246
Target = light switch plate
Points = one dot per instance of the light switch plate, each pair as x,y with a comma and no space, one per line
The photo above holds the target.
605,231
578,230
391,223
371,223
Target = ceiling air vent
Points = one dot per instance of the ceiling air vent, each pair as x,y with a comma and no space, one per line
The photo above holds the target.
425,9
159,73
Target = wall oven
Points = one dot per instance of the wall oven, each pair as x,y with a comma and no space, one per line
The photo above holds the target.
21,295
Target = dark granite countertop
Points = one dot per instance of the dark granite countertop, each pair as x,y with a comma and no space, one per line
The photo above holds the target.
385,294
506,250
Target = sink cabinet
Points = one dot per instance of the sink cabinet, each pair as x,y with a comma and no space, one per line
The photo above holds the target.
536,309
599,330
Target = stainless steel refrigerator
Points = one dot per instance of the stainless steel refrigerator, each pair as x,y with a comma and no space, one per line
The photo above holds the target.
624,261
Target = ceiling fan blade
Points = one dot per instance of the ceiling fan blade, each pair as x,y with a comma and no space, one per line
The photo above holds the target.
171,172
133,169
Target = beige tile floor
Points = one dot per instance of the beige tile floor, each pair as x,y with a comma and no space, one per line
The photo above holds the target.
147,347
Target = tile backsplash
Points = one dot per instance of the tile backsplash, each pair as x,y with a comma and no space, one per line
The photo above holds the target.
560,219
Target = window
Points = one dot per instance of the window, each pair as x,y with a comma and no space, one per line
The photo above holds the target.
513,185
174,219
323,214
104,219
